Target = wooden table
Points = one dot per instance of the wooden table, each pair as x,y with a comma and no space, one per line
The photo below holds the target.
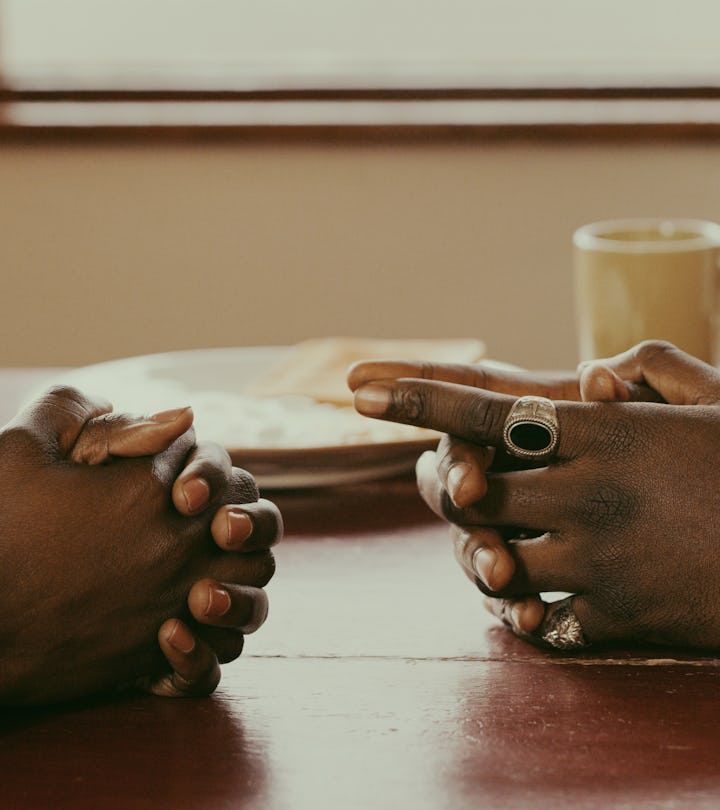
379,682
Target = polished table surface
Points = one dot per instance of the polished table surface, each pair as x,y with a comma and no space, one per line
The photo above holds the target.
379,682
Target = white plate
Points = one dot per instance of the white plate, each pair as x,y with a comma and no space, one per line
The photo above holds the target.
213,382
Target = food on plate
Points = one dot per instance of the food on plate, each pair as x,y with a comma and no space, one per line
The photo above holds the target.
317,368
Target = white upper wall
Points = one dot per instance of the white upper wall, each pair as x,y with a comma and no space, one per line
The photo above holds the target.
346,43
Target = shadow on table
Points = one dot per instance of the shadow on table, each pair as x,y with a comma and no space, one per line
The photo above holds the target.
353,510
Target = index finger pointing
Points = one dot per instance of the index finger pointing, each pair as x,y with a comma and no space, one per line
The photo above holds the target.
472,414
469,413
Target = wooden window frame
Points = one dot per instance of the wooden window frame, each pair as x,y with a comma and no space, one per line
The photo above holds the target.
37,103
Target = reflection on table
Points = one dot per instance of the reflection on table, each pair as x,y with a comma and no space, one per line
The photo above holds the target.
379,682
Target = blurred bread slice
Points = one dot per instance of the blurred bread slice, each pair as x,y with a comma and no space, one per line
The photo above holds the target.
317,368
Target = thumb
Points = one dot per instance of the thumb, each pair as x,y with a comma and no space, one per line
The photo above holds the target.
677,377
119,434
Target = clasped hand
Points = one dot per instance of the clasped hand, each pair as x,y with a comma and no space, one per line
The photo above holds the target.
122,539
625,516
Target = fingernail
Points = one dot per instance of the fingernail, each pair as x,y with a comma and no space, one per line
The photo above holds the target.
169,416
373,399
456,477
239,527
181,638
218,602
196,492
484,561
516,615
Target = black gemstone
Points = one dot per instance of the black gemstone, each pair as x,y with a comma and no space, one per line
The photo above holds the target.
529,436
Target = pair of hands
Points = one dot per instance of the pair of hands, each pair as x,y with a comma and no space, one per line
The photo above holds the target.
626,516
97,552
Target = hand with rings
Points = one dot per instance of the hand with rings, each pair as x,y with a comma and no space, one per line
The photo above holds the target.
618,504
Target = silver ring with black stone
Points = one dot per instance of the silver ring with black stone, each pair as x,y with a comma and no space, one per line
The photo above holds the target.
532,430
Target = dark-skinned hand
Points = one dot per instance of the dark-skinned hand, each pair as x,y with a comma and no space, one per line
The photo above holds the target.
127,544
625,516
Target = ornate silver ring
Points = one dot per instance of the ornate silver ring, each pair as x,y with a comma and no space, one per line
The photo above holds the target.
532,429
561,628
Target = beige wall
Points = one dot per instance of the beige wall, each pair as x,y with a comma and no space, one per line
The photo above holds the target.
108,251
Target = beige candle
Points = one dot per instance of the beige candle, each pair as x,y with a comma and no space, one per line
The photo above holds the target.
639,279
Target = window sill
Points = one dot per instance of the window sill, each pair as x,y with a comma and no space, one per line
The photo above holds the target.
437,114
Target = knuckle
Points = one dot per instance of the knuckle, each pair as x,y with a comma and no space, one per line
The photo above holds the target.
212,682
229,646
278,525
409,402
650,351
66,392
184,445
260,612
607,507
181,449
618,437
212,463
263,565
244,489
483,419
624,609
92,445
604,564
480,377
212,455
70,400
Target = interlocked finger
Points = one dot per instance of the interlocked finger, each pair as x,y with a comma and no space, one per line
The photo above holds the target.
535,499
254,568
568,625
241,607
247,527
206,476
512,564
461,468
483,556
522,616
553,625
196,670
